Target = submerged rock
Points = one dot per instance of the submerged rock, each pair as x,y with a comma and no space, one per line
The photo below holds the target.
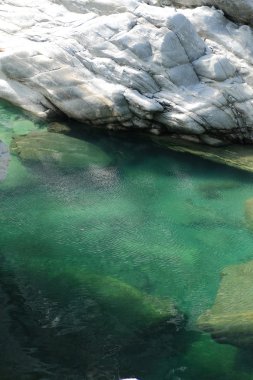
126,305
237,156
230,320
212,190
4,160
113,324
249,213
131,64
58,149
59,128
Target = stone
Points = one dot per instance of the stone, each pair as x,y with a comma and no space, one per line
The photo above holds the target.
230,320
237,156
57,127
58,149
239,11
111,308
249,213
214,67
138,64
4,160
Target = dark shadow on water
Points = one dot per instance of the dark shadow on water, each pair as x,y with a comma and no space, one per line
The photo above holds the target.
58,330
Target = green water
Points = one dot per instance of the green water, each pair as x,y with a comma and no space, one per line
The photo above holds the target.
88,250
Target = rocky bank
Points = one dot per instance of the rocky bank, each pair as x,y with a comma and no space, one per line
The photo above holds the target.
178,67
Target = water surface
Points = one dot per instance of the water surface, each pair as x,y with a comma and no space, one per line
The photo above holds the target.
80,242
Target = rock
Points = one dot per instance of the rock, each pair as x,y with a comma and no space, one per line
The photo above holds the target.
132,64
237,156
99,314
214,67
205,352
57,127
249,213
4,160
49,147
129,306
230,320
239,11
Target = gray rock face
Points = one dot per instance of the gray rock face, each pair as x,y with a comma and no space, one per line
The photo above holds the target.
4,160
130,64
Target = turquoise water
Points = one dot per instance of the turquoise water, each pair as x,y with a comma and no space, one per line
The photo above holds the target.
89,250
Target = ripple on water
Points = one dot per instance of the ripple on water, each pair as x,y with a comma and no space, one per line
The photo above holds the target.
159,222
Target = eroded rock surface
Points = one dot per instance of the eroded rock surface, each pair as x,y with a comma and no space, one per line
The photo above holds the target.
230,320
131,64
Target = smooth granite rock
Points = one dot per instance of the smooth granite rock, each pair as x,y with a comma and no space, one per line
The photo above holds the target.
240,11
132,64
230,320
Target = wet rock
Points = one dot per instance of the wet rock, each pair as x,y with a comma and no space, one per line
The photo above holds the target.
58,149
230,320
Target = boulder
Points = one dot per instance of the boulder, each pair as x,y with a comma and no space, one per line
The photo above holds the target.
4,160
230,320
237,156
110,322
249,213
238,11
58,149
132,64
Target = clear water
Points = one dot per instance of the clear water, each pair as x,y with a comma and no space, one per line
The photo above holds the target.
85,250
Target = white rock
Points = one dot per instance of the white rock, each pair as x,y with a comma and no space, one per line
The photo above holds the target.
241,11
131,64
214,67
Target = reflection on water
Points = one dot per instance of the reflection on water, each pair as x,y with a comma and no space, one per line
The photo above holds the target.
111,248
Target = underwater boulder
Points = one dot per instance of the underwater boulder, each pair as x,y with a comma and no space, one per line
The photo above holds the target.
58,127
113,324
236,156
4,160
249,213
230,320
125,304
58,149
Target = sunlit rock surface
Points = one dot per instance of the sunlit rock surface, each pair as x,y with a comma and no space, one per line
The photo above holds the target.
230,320
240,11
132,64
